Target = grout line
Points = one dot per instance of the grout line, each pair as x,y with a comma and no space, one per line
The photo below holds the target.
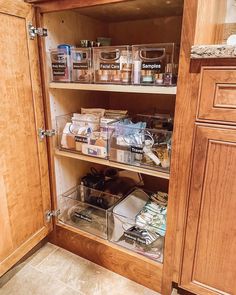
46,257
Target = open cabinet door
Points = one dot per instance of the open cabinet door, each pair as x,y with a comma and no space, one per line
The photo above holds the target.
24,179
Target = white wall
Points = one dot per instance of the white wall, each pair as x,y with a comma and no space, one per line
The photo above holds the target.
231,11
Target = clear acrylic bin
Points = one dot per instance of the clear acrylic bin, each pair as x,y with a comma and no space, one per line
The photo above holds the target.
88,137
60,65
126,230
86,209
81,65
149,148
153,64
112,64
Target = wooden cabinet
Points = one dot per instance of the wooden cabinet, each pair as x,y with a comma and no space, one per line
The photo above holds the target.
217,96
24,182
26,161
210,242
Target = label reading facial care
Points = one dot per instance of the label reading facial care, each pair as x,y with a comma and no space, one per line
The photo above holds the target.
80,66
110,66
151,66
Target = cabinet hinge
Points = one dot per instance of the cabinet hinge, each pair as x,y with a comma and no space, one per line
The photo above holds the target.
49,214
43,133
33,32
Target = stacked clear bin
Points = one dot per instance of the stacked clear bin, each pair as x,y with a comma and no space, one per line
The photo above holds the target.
112,65
154,64
60,65
81,65
86,209
85,133
136,144
138,223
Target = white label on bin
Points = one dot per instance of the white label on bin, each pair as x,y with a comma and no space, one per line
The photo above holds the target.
109,66
136,150
80,66
151,66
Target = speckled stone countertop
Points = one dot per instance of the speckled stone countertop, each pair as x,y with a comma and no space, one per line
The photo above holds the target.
213,51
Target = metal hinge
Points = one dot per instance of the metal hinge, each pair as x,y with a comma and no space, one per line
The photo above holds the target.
42,133
33,32
49,214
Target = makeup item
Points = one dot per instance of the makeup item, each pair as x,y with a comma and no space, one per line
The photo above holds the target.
103,75
168,76
126,73
159,79
147,77
115,76
136,71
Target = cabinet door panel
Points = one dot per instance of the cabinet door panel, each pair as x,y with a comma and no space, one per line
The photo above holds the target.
210,244
217,97
24,182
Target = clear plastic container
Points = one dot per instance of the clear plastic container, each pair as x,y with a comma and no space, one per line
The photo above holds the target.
86,209
88,137
149,148
60,65
112,64
81,65
154,64
127,228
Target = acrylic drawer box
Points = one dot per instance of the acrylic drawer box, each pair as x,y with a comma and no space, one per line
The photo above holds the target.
112,64
140,146
89,137
86,209
60,65
81,65
127,227
153,64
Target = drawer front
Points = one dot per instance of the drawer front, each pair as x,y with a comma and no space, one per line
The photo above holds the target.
217,97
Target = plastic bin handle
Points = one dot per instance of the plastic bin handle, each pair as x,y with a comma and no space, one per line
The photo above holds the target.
116,52
163,50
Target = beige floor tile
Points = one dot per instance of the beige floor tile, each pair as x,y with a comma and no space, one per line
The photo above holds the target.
30,281
41,254
87,277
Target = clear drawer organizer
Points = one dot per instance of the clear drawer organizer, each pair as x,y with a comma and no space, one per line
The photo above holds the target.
153,64
112,64
60,65
134,144
86,209
81,65
139,224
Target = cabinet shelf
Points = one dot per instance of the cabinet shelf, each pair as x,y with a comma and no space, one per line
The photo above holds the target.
112,164
115,88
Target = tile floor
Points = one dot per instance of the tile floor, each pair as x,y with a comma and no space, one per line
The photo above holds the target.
55,271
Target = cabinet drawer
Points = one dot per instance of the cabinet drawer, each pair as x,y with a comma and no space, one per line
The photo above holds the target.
217,96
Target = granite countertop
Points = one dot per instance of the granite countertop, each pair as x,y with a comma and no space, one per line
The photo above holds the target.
213,51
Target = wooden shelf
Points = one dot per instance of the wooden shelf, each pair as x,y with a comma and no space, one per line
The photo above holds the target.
112,164
116,88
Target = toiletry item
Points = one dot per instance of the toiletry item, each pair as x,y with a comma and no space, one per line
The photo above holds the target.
126,73
104,41
159,79
168,76
93,150
147,77
136,71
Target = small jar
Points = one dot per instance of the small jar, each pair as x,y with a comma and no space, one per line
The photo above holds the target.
126,73
103,75
116,76
159,79
147,77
